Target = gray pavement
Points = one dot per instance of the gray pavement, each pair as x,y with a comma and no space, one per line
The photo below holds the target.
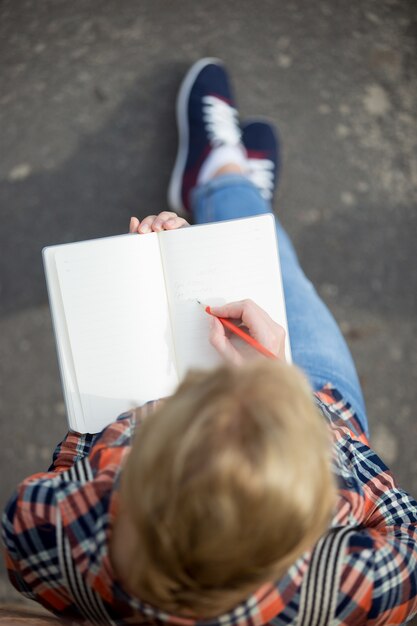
88,138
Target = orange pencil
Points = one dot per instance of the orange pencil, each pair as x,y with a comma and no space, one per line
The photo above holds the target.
240,333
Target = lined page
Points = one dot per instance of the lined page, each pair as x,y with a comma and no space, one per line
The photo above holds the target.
117,317
219,263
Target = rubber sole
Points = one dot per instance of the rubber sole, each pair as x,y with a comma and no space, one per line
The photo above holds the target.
175,183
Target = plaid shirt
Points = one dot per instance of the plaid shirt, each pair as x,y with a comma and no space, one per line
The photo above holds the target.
378,584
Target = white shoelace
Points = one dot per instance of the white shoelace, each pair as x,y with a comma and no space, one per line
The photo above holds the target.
221,121
261,173
222,124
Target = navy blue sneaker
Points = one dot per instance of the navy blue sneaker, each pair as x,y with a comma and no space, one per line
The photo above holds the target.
262,147
207,118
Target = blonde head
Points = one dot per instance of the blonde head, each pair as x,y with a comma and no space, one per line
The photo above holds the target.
227,484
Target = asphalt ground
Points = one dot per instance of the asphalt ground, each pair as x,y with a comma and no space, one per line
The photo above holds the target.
88,137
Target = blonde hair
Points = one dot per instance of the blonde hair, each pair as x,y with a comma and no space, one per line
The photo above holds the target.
227,484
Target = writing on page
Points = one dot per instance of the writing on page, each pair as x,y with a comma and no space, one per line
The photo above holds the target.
218,263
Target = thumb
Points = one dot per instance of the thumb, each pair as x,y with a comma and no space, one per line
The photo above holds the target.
133,225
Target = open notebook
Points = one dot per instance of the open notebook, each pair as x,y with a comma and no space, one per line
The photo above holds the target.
126,320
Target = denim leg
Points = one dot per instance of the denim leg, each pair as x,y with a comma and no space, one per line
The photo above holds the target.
227,197
317,344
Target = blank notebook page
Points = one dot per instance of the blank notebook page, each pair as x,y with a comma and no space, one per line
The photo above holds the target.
118,324
219,263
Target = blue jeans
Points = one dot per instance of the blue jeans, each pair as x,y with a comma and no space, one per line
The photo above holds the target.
317,344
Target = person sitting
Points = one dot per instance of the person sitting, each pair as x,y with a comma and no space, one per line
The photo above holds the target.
251,495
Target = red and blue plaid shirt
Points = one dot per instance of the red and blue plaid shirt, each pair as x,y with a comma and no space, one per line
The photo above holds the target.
378,584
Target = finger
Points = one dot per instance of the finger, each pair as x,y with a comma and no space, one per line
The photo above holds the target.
133,225
146,224
166,215
232,309
161,218
175,222
221,343
250,313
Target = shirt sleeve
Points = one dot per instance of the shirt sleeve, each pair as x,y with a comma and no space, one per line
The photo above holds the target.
11,550
379,578
391,522
28,527
74,447
29,519
29,539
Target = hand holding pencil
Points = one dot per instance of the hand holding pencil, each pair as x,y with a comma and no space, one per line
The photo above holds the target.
259,325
